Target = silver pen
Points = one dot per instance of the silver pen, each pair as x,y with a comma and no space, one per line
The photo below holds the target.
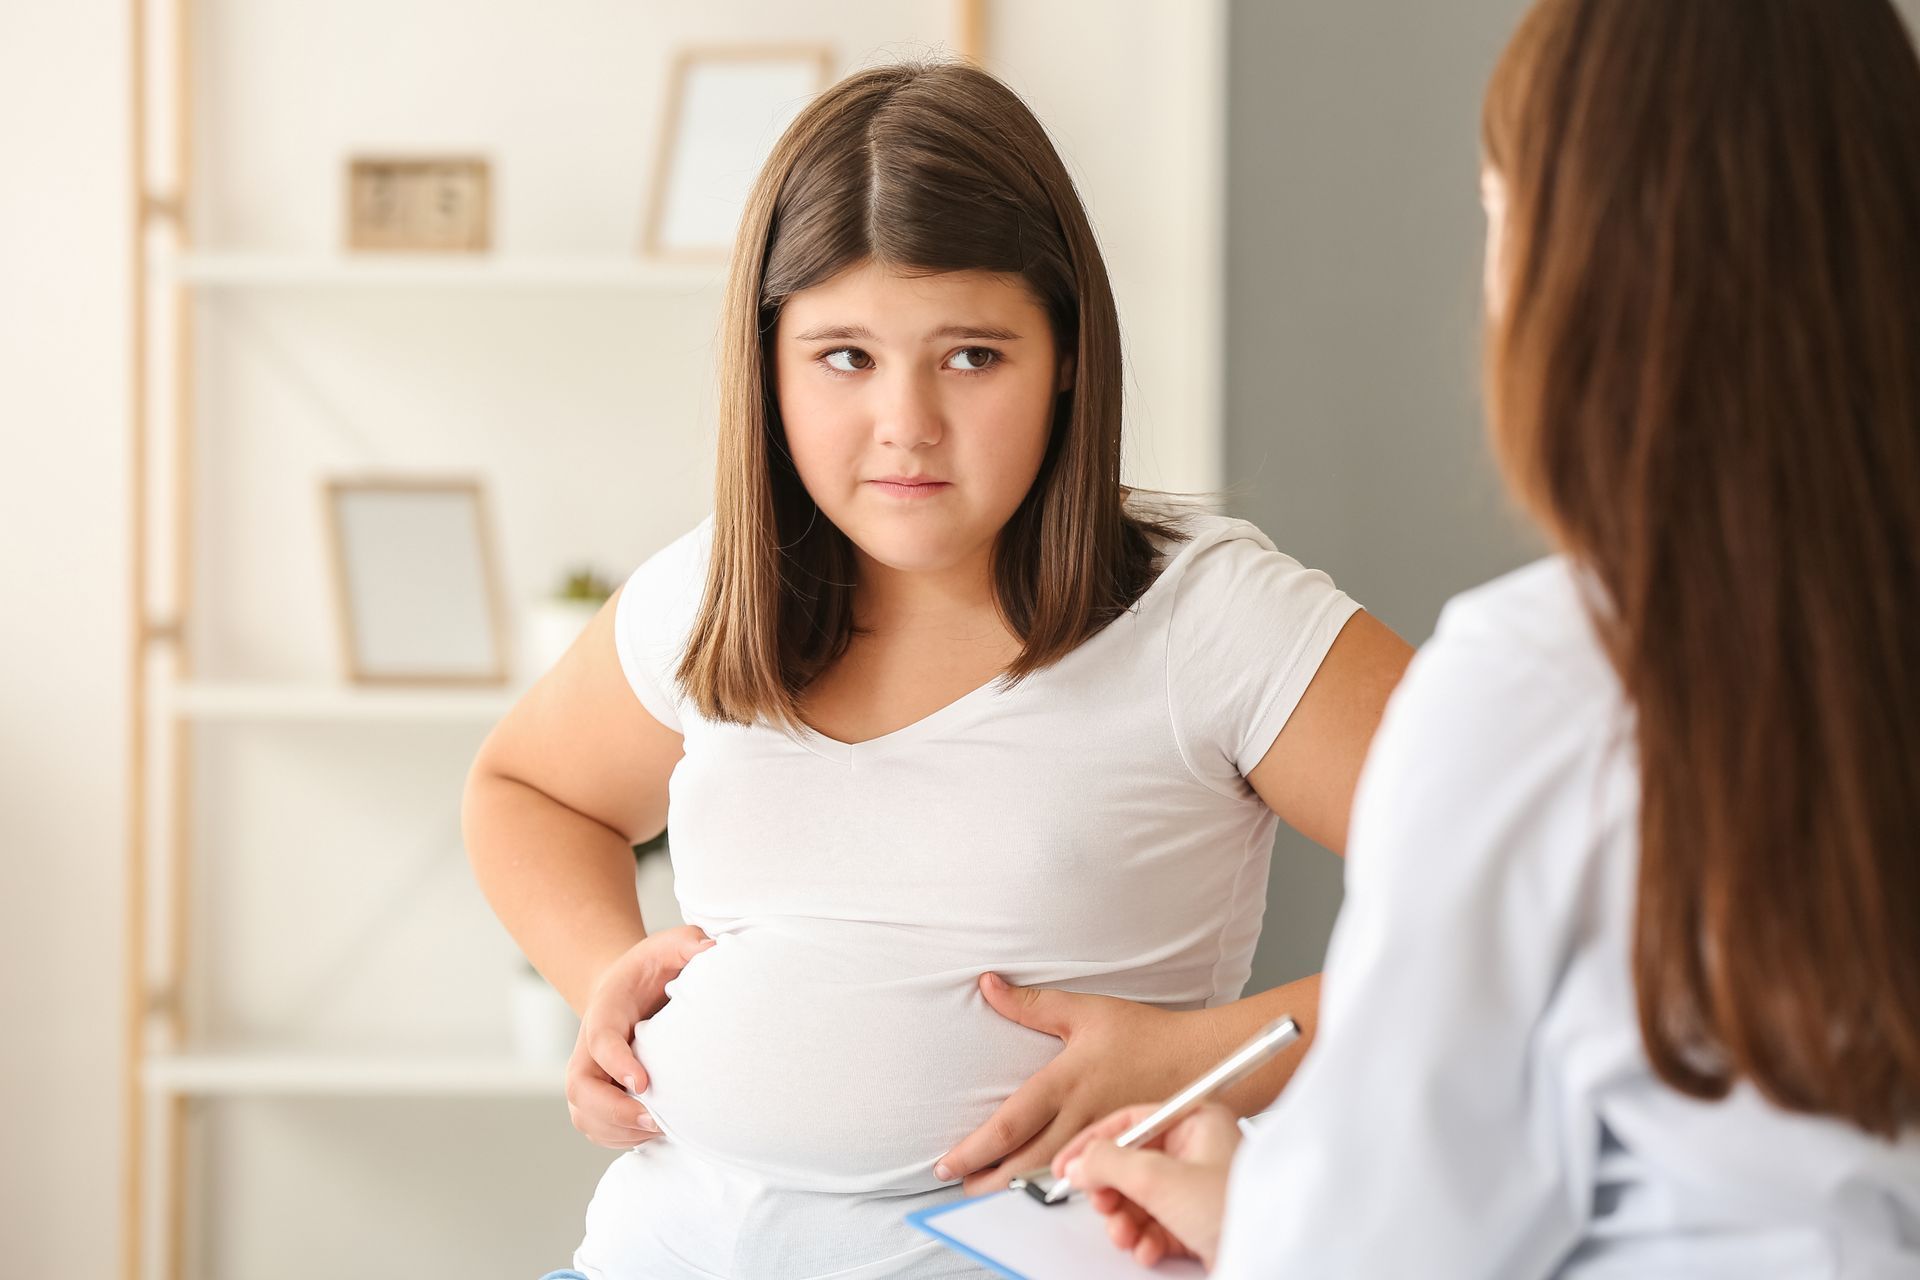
1267,1042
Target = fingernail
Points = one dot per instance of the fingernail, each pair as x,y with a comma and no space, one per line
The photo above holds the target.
943,1173
646,1124
1073,1172
997,982
631,1086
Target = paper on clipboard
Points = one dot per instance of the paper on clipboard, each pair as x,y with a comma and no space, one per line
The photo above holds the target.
1018,1237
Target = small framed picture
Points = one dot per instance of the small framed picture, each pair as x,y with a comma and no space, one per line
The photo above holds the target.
418,204
415,581
726,107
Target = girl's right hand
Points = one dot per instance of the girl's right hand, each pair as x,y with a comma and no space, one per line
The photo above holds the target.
603,1071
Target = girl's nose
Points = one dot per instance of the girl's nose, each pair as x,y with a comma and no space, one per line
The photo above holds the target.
907,414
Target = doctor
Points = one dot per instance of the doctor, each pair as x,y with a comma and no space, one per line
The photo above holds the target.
1627,982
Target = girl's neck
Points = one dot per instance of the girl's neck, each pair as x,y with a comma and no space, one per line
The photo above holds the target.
952,602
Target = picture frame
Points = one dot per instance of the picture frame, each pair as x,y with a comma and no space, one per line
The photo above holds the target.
416,582
726,107
419,204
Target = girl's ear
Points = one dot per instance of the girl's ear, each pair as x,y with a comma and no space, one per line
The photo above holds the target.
1065,382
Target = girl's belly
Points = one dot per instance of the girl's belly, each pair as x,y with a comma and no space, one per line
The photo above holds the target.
820,1056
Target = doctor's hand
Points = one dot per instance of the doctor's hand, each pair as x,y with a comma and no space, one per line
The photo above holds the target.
1115,1052
1163,1200
603,1070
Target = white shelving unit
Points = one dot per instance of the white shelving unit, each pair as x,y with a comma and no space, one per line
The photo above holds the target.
176,1068
317,702
229,271
256,1073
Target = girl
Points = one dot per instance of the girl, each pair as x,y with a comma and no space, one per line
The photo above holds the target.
936,703
1627,981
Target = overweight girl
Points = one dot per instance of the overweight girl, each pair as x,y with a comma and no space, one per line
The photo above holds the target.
971,759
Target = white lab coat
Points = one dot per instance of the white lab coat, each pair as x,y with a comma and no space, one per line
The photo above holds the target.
1478,1103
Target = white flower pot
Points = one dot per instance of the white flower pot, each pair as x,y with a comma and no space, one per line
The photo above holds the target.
552,627
544,1028
653,885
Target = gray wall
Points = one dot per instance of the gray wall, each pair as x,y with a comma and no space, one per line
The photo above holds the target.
1354,241
1354,246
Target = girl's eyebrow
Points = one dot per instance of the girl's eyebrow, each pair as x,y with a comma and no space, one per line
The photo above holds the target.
978,332
860,333
835,333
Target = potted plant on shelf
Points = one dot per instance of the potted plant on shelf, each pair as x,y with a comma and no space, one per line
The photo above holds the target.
543,1027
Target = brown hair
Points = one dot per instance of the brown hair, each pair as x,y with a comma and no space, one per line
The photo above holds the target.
925,168
1705,381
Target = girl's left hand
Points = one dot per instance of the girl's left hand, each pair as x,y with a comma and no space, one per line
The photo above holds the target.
1116,1052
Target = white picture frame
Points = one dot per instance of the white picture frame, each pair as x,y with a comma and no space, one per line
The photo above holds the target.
726,107
416,583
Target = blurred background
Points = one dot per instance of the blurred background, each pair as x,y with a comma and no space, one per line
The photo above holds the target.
342,1067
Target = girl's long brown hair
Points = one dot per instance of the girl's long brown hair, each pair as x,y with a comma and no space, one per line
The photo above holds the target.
923,168
1705,381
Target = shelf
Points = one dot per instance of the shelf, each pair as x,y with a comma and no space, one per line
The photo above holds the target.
461,271
319,702
333,1075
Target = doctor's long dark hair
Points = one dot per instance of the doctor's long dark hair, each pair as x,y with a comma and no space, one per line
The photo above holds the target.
923,167
1705,381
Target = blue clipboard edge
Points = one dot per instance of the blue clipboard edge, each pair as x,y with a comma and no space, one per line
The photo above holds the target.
923,1220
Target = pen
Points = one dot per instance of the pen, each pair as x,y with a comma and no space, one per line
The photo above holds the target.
1268,1041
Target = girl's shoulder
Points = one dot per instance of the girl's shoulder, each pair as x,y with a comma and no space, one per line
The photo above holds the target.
672,579
1213,567
1186,532
656,613
1246,627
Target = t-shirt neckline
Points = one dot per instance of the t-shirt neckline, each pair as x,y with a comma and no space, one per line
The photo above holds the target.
981,698
973,701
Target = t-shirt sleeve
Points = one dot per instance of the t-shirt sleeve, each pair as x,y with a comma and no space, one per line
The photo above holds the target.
654,617
1249,629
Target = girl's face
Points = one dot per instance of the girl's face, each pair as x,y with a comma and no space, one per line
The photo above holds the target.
917,408
1493,198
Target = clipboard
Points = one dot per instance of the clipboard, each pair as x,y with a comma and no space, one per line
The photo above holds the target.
1014,1235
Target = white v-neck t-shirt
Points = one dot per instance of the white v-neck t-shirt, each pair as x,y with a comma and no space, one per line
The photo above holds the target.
1088,829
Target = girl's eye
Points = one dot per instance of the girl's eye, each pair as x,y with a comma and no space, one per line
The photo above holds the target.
973,359
848,360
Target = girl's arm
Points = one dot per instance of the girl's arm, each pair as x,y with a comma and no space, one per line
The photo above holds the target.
563,788
1309,773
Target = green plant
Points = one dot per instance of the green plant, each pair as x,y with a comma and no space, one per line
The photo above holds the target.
584,584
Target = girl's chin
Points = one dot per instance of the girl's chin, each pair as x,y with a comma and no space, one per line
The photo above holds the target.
908,551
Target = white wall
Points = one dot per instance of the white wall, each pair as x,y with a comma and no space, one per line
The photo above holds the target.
63,629
1139,111
586,415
